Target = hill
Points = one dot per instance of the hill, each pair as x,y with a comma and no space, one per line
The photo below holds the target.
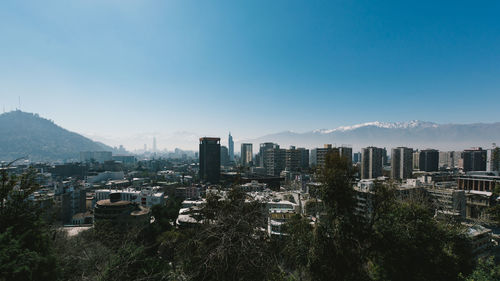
28,135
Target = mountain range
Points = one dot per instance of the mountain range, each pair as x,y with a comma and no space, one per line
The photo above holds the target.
38,139
415,134
28,135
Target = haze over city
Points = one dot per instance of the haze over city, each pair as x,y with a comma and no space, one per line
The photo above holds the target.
122,72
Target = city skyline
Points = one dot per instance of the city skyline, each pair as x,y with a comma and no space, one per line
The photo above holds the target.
181,68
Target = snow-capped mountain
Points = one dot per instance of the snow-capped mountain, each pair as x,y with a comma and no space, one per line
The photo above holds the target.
387,125
415,134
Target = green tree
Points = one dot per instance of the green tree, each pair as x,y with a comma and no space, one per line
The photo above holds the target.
486,270
408,243
25,249
338,251
230,243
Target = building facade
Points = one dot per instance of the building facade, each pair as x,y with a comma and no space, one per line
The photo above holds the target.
209,160
371,162
401,163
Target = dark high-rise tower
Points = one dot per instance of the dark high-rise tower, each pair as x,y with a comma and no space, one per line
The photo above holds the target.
210,160
474,159
428,160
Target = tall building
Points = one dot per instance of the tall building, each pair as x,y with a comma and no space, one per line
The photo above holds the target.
416,160
493,159
371,162
304,158
230,144
474,159
292,162
224,156
356,157
448,159
210,160
154,144
402,163
346,152
263,147
428,160
274,159
318,155
246,154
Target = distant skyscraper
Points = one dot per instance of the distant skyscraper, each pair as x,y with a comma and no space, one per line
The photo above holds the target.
428,160
224,156
401,163
154,144
230,144
493,159
474,159
210,159
371,162
246,154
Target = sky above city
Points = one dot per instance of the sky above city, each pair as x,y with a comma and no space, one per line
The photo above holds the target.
124,71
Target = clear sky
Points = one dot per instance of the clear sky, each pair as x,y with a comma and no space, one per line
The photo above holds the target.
122,71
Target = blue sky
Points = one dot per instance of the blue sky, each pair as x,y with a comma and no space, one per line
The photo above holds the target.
123,71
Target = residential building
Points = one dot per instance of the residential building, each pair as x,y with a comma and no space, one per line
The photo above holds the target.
401,163
371,162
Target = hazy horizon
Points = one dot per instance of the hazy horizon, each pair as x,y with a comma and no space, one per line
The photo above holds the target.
122,72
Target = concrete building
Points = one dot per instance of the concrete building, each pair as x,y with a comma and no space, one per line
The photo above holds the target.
493,159
371,162
401,163
274,160
120,213
246,154
416,160
478,182
449,159
346,152
318,155
429,160
147,196
474,159
304,158
209,160
263,147
97,156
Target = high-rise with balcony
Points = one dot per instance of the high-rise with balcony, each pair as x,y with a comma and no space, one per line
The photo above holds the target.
371,162
401,163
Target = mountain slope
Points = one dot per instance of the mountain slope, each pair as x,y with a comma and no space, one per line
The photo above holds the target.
26,134
415,134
